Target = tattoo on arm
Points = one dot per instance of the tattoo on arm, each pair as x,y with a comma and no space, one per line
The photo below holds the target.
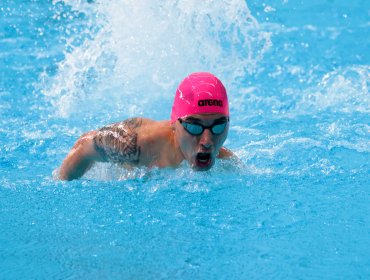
118,142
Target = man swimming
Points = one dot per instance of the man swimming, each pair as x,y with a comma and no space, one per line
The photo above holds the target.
196,132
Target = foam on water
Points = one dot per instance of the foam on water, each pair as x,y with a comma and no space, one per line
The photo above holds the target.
343,90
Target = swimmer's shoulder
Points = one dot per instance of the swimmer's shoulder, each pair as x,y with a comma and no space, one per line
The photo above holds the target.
146,123
131,123
154,131
137,126
225,153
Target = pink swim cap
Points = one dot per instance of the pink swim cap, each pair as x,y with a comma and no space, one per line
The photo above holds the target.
200,93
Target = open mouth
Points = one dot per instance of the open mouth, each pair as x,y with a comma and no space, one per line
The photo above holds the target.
203,160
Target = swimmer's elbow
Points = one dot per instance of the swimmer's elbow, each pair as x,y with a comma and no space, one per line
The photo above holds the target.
79,159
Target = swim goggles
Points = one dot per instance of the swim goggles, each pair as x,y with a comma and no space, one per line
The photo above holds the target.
197,128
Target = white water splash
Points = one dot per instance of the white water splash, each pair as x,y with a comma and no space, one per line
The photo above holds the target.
142,50
344,90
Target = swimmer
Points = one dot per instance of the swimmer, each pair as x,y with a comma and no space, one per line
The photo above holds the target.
196,132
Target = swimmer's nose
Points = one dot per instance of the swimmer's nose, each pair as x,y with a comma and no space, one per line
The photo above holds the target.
206,139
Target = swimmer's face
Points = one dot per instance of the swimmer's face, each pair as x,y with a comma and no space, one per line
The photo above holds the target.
200,138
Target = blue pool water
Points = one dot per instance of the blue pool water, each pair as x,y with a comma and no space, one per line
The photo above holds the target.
296,206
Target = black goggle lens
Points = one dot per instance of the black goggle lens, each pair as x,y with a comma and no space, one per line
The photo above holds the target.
197,129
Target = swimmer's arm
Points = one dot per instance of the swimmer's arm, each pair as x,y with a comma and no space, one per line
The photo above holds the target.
225,153
81,157
116,143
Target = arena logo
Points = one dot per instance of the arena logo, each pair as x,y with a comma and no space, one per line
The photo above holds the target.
210,102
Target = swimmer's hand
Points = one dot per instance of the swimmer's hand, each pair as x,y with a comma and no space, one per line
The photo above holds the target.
80,158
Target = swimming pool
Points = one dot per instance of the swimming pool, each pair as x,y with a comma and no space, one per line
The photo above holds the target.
297,73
